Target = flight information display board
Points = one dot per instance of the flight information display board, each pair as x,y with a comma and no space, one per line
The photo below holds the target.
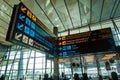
26,29
87,42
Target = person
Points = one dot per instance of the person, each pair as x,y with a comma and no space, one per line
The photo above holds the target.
85,77
100,77
20,78
2,77
90,78
76,76
39,77
45,77
51,78
63,76
114,76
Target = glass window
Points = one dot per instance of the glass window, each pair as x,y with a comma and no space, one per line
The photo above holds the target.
74,31
84,29
95,27
107,24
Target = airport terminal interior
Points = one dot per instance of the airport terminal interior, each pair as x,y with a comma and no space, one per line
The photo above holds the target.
59,38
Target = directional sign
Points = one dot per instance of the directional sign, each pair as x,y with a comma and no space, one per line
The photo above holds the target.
87,42
30,42
25,39
27,30
18,36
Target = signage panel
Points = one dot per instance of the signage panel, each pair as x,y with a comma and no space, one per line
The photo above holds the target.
28,30
87,42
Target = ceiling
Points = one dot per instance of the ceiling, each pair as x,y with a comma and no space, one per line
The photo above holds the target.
67,15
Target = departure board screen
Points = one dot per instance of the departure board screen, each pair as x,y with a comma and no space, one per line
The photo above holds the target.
87,42
26,29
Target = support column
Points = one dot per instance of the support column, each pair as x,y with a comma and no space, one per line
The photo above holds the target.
81,64
20,66
56,67
7,63
98,66
84,65
55,31
116,28
46,63
68,31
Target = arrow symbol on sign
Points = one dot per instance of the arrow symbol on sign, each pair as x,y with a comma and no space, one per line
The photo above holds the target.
18,36
60,54
21,17
60,48
23,9
20,26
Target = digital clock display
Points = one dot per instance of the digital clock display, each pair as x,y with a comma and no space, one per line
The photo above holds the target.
26,29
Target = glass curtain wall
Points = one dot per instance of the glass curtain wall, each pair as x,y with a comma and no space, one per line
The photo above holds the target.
26,64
